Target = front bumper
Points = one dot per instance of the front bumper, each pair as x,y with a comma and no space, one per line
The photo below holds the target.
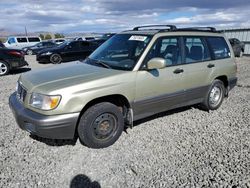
55,127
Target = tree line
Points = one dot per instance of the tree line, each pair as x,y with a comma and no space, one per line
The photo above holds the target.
48,36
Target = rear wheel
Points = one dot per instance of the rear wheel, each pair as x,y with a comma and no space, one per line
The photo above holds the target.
215,96
55,59
4,68
101,125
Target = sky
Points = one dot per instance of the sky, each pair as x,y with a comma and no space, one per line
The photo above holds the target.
71,16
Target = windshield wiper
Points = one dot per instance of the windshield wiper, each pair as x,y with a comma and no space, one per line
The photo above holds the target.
103,64
97,62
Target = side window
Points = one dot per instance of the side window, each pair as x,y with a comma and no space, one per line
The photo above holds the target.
11,40
34,39
84,45
195,50
22,40
167,48
219,47
74,45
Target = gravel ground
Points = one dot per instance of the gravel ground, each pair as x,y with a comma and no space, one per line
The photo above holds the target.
181,148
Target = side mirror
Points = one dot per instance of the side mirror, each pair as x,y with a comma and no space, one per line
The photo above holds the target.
68,47
157,63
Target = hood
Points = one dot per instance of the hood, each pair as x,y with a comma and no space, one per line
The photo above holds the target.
64,75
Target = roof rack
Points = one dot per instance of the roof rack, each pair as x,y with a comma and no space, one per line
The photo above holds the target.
209,29
170,27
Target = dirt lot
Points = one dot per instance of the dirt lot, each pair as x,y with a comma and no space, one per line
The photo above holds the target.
181,148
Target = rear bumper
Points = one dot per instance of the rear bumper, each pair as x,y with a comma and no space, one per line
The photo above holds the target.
232,82
55,127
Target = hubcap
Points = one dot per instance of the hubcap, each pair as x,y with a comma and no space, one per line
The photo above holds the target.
215,96
56,59
29,52
3,68
104,126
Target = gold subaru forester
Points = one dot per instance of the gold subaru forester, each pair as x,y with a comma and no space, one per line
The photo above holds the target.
135,74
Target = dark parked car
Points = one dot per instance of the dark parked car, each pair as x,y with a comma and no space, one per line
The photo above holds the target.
1,45
11,59
238,46
68,51
38,47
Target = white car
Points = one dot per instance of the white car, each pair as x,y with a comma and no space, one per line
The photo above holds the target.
19,42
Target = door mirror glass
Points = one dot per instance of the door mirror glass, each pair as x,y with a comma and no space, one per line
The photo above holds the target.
157,63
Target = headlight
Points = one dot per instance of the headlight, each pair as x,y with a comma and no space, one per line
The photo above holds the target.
47,53
44,102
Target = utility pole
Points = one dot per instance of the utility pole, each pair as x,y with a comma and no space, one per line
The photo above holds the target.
26,31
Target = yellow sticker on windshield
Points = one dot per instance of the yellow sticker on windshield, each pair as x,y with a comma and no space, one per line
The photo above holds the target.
138,38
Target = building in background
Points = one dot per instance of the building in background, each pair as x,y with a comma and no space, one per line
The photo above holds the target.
241,34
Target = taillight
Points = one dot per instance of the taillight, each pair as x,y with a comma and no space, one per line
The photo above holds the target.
16,53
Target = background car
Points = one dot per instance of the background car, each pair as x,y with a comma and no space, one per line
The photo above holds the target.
1,45
11,59
38,47
67,51
238,46
59,40
19,42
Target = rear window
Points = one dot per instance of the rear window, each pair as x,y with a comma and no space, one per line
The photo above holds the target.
21,40
34,39
219,47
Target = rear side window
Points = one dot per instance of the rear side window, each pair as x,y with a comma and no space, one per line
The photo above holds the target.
219,47
196,50
34,39
22,40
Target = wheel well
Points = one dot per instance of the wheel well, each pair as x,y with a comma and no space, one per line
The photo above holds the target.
223,79
118,100
225,82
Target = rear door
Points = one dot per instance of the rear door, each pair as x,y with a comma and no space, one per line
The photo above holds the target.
86,49
22,42
160,89
198,67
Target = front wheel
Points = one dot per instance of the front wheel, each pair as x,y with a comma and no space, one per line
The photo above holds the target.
215,96
101,125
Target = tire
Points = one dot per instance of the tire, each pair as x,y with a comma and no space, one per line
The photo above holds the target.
55,59
215,96
101,125
4,68
29,52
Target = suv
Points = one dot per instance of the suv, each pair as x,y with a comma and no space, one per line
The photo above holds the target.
238,47
134,74
19,42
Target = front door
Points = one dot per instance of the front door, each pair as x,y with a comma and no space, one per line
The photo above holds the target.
160,89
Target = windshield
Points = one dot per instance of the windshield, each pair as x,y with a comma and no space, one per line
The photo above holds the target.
122,51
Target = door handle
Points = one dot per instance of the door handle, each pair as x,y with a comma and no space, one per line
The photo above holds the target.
210,65
178,71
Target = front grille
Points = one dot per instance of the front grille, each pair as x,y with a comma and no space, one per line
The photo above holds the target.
21,92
